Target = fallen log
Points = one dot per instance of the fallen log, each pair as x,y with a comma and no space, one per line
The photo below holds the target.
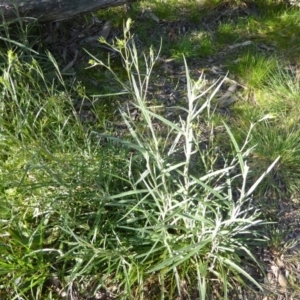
51,10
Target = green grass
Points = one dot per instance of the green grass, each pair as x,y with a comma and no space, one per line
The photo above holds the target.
253,67
138,212
276,94
194,45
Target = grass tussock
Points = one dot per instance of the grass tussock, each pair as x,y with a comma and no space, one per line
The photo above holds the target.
84,211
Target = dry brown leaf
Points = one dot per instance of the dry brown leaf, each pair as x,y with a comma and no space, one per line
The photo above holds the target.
104,33
281,279
228,98
247,43
71,63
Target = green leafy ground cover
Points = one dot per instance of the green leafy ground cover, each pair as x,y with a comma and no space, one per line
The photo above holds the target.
164,164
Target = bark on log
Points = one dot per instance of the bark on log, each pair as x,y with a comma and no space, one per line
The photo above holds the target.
51,10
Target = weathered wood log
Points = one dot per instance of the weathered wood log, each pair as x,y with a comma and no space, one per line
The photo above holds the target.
51,10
